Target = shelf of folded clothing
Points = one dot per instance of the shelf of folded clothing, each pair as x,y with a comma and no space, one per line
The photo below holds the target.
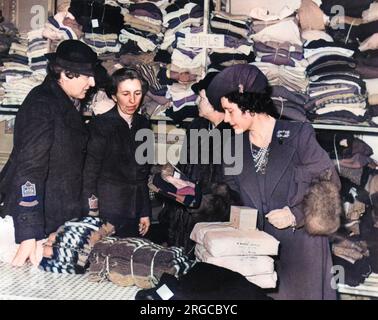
343,127
28,283
369,288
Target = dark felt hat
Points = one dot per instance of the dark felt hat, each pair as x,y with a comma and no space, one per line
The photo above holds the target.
75,56
204,83
240,77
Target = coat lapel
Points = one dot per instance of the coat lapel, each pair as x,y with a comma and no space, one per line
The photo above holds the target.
71,116
281,155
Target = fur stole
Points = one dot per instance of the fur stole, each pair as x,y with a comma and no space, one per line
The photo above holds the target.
322,206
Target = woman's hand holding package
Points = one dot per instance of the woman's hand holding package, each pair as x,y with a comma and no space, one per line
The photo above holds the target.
281,218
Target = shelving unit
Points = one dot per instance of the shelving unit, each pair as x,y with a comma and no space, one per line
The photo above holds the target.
342,127
368,289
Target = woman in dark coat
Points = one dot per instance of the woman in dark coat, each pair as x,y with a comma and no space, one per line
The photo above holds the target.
115,184
201,162
41,183
280,160
205,171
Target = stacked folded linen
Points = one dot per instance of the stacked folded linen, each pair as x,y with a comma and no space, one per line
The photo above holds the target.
245,252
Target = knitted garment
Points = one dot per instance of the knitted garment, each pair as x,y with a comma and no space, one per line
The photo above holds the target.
73,244
135,261
163,186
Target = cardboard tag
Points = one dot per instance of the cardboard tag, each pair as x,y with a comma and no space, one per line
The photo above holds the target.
243,218
164,292
95,23
177,175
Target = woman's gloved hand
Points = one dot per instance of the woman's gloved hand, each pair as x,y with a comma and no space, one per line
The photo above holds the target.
281,218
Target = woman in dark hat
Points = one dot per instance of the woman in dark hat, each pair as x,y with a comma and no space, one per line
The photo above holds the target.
201,162
280,161
204,171
41,183
115,184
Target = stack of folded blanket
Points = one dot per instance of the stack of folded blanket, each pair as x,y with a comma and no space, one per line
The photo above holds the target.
72,244
135,261
245,252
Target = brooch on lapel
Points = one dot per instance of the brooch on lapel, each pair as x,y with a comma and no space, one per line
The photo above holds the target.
282,134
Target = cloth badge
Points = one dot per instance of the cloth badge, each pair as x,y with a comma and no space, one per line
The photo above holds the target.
28,190
29,195
28,204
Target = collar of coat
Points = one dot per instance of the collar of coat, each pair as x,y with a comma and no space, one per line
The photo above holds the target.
64,105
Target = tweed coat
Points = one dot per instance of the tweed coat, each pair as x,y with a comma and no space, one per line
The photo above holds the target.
42,180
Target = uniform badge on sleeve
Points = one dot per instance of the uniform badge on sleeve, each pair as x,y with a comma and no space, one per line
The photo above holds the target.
29,190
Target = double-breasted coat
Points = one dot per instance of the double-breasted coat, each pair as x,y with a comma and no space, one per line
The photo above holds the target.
295,160
42,180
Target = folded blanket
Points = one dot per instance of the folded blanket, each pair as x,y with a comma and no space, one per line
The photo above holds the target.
200,229
264,281
135,261
245,265
220,239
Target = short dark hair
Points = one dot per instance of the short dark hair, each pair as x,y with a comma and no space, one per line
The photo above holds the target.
54,70
122,75
255,102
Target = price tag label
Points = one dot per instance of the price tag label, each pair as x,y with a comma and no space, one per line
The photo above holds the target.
164,292
95,23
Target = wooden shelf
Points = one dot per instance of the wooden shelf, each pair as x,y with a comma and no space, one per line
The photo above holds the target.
343,127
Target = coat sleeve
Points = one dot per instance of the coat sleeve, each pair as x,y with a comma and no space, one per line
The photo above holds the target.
314,162
34,136
145,210
96,150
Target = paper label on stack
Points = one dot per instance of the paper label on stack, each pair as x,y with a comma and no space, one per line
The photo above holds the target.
239,243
